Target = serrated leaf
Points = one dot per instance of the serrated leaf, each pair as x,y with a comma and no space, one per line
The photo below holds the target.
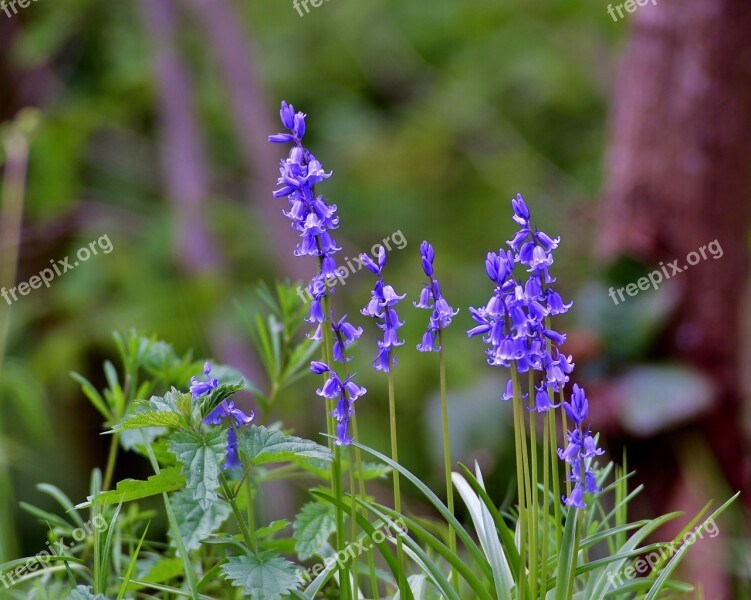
169,410
209,402
168,480
84,592
313,526
194,522
201,456
261,445
262,576
272,529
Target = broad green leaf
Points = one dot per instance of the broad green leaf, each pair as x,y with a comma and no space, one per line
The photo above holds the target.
84,592
262,576
270,530
168,480
313,527
201,456
194,522
170,410
261,445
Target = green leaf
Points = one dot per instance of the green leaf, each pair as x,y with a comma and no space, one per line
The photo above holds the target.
313,527
194,522
566,555
201,456
168,480
208,403
263,576
261,445
170,410
84,592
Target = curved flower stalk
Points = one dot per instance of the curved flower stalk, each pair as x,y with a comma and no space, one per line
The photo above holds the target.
515,324
440,318
225,410
314,218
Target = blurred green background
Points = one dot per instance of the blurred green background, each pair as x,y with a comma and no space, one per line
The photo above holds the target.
432,115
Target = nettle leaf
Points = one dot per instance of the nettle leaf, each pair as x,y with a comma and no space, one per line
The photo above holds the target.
195,523
313,527
261,445
208,403
168,480
84,592
171,410
201,456
262,576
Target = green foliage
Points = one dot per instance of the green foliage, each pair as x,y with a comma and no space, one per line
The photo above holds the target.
263,576
201,456
195,522
128,490
313,527
261,445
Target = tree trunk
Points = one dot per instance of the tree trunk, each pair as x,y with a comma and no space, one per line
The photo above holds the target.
678,176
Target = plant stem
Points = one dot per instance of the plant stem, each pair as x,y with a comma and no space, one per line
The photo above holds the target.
363,496
397,491
534,516
247,535
554,474
111,460
447,454
520,476
545,501
353,518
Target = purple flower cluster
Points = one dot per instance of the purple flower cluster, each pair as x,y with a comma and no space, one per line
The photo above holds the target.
515,325
314,218
383,300
581,446
226,409
345,393
310,214
513,322
431,299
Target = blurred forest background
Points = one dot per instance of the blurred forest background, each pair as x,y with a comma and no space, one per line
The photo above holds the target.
629,139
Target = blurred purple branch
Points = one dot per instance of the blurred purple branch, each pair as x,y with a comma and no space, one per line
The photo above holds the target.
235,55
184,163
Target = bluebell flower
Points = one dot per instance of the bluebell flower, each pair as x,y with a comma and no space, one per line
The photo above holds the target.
233,455
345,393
383,299
581,446
225,410
199,388
431,299
515,326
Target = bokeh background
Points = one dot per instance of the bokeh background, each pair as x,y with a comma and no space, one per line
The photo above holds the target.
628,138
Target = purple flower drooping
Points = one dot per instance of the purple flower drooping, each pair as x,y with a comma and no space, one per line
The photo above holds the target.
225,409
345,393
314,218
515,325
581,446
431,299
382,307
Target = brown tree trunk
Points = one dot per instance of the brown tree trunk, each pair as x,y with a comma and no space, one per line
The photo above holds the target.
678,175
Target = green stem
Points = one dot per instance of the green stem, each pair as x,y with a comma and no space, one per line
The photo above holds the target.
363,497
397,491
111,460
534,520
520,476
248,535
353,518
555,475
564,422
545,500
336,465
447,463
190,573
